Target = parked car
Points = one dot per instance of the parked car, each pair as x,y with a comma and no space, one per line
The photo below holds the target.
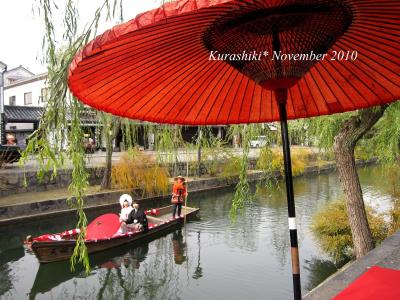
9,154
259,141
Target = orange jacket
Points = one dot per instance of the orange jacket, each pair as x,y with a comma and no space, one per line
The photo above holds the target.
179,189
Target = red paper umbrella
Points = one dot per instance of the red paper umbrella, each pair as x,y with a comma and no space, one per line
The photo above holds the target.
156,67
103,227
205,62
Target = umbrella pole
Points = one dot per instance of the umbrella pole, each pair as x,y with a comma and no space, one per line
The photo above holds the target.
281,96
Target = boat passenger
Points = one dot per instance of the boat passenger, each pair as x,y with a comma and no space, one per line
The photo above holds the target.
126,207
179,193
136,221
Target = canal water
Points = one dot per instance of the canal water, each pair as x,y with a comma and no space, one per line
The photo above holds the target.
211,258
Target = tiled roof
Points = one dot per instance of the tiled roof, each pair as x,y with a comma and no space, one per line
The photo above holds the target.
22,113
25,114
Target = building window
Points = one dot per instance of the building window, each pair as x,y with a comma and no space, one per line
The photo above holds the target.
43,97
28,98
12,100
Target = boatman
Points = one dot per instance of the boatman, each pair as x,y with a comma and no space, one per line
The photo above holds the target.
179,193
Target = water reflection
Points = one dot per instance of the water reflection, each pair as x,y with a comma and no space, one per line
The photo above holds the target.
319,270
7,257
178,247
52,275
198,272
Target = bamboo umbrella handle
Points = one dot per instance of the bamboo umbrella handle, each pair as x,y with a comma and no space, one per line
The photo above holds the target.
184,221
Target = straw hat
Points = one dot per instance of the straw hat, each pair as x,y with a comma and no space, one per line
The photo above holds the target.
125,197
180,177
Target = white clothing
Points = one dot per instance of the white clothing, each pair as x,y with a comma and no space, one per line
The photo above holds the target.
123,198
125,213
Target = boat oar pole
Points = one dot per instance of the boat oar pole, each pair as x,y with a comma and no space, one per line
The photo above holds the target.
281,97
184,212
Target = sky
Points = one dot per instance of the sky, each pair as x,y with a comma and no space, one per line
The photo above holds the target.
22,29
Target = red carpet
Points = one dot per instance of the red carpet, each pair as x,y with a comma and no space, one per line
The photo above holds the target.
376,283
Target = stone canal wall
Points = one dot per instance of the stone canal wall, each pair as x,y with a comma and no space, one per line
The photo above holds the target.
109,199
15,181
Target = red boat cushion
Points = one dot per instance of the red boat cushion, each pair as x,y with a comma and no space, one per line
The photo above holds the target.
103,227
376,283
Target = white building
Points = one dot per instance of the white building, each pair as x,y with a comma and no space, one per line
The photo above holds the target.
25,95
23,88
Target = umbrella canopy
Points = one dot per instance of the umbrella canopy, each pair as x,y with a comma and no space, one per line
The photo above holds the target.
103,227
160,66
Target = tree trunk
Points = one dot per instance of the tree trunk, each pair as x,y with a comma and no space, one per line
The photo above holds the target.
114,128
351,131
106,182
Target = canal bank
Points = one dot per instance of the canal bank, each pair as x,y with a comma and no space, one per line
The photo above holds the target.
36,205
386,255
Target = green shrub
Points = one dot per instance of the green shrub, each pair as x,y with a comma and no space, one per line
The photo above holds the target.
216,158
362,151
230,167
271,160
331,228
393,178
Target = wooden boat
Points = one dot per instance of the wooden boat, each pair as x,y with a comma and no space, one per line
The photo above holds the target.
60,246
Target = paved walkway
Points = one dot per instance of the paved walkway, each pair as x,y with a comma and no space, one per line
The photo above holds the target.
386,255
98,158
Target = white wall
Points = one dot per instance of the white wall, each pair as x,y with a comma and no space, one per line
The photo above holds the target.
16,74
20,126
19,91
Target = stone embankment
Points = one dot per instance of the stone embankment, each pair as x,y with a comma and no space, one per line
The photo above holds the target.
50,198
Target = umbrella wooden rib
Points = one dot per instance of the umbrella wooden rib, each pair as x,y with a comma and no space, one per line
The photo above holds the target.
215,106
210,93
190,88
305,96
113,62
365,74
344,96
134,79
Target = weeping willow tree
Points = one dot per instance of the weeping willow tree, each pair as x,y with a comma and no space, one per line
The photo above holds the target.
168,140
210,149
59,134
243,193
377,127
111,127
